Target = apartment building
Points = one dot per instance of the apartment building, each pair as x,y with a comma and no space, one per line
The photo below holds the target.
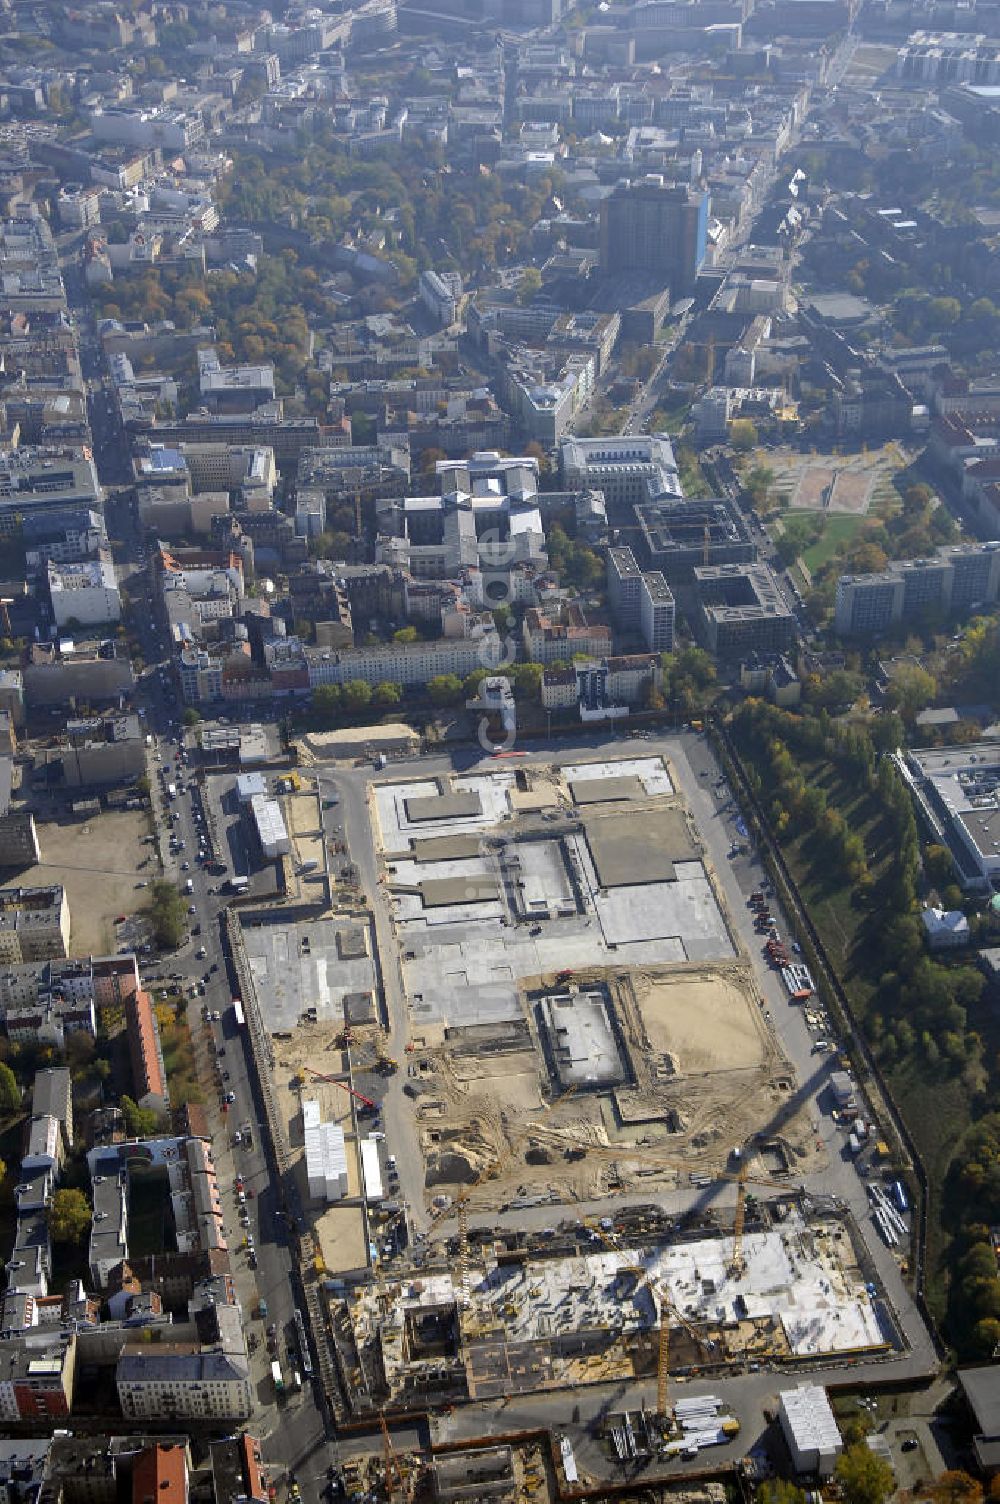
657,612
181,1381
37,1377
34,924
149,1074
624,588
404,663
52,1097
85,593
548,638
601,688
955,580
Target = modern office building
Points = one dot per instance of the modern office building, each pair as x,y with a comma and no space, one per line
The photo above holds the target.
675,538
628,469
957,790
650,226
741,610
657,612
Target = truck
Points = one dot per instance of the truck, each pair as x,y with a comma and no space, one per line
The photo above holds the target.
171,791
279,1383
189,885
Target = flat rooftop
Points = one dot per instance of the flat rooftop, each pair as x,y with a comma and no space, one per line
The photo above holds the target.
580,1039
444,848
606,790
313,964
438,892
640,847
462,805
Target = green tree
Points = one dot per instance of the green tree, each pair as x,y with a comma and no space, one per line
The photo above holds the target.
743,435
10,1092
326,703
530,283
386,694
864,1477
938,863
527,680
191,717
167,913
356,694
912,688
780,1491
69,1216
406,634
140,1122
445,689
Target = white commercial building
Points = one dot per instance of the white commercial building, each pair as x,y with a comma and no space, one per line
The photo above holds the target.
250,786
270,827
370,1170
326,1155
810,1429
86,593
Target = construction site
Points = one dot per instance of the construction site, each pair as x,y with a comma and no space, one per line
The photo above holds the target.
593,1304
598,1163
532,1081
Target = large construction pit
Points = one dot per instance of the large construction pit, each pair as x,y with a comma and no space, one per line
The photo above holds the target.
605,1084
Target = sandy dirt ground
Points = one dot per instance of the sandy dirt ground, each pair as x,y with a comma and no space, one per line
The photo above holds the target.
303,817
98,863
708,1073
704,1023
811,487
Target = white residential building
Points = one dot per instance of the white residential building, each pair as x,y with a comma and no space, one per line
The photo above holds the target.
404,663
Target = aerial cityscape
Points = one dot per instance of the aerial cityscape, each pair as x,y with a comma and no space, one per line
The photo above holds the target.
500,751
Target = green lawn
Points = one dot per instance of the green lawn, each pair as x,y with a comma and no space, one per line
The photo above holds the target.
839,528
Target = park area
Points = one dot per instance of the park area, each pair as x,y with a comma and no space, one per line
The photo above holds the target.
849,484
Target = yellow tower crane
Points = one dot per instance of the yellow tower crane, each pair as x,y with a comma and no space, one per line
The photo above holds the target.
668,1312
738,1264
393,1471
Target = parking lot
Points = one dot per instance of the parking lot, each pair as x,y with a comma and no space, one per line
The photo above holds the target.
105,864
